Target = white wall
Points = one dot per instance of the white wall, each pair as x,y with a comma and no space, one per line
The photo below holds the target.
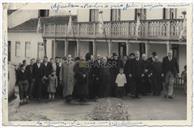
20,16
102,48
83,15
34,38
128,14
154,13
62,12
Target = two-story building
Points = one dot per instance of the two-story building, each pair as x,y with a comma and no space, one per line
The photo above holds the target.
99,31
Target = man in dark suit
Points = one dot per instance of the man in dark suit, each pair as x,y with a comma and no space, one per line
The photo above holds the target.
136,73
29,69
37,75
170,70
47,70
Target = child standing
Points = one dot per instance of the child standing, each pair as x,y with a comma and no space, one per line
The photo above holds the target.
23,84
52,85
120,81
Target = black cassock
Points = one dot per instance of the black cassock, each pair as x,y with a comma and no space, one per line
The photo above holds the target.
47,70
81,80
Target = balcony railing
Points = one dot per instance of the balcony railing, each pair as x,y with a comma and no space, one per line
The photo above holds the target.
147,30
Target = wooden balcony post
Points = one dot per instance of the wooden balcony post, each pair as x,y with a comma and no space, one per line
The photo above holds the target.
127,48
147,48
94,29
66,47
168,47
94,48
78,47
45,46
109,48
168,30
78,29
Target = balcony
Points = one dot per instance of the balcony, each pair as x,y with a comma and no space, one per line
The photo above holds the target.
166,30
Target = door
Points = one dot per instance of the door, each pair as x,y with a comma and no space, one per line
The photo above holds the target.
122,49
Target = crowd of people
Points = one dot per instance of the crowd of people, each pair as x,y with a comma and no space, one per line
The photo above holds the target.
90,78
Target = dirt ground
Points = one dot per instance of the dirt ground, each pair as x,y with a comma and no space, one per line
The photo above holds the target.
145,108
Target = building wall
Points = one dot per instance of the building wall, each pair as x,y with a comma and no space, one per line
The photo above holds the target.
102,48
83,15
62,12
34,38
20,16
84,48
128,14
154,13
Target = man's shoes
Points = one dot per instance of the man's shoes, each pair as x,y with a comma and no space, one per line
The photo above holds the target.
170,97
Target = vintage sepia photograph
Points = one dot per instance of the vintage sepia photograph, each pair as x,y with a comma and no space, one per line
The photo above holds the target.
97,64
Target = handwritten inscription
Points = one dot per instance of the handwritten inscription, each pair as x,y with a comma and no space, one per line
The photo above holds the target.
123,6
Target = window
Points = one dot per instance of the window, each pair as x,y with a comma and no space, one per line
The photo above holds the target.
27,49
173,13
43,13
40,50
17,48
164,13
115,14
142,13
93,15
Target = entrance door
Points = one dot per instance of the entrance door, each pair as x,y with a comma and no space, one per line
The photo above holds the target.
122,49
59,48
175,50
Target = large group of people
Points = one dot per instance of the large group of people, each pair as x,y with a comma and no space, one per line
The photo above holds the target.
90,78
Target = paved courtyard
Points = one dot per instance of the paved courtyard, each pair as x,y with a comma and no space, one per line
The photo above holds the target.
145,108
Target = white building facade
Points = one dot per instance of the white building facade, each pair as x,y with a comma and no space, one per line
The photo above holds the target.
123,32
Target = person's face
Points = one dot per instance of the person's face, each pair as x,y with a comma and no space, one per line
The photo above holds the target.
38,60
45,59
121,71
52,60
144,57
137,54
104,60
32,61
115,57
170,54
132,57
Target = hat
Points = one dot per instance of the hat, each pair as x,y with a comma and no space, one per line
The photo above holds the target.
114,54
